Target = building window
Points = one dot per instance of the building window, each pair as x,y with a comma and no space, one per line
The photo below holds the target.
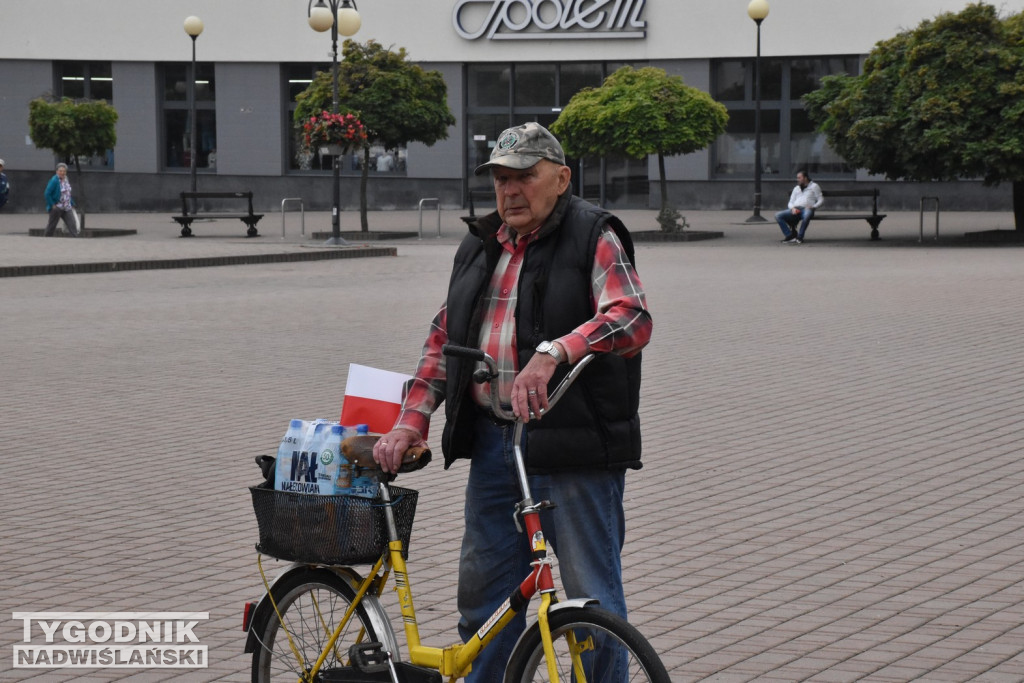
788,139
502,95
87,81
177,123
297,78
535,85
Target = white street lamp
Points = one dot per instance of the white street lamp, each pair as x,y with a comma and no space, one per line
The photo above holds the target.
193,27
757,10
338,17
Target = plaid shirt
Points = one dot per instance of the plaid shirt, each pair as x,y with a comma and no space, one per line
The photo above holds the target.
621,325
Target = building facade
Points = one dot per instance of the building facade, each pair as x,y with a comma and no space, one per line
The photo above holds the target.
504,62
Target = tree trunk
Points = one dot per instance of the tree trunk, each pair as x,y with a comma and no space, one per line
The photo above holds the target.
1018,204
364,224
663,182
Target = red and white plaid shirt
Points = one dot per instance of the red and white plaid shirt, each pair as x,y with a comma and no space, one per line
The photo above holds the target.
620,325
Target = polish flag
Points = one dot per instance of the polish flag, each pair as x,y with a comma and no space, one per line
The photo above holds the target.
372,397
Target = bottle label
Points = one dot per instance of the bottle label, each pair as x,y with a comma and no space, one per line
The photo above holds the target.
310,460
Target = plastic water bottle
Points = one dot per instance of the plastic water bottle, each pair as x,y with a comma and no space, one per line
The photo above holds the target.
346,470
364,480
332,460
292,438
288,451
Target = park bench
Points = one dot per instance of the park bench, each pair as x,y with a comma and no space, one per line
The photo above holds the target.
873,218
185,219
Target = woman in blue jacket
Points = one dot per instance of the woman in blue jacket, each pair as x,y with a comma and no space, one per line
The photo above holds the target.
59,203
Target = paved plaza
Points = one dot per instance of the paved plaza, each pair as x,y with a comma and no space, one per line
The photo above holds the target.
833,486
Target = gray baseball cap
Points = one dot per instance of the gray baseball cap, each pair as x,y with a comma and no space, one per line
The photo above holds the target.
1,162
523,146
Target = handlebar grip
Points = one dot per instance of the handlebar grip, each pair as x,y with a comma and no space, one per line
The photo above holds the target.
358,450
463,352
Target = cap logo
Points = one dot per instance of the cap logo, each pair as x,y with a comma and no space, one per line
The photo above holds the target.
508,141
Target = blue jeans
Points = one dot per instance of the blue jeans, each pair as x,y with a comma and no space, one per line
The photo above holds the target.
586,531
787,220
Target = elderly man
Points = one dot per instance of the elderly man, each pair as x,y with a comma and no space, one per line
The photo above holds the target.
541,282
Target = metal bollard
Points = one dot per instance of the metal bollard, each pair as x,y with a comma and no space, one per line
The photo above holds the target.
437,202
302,208
921,217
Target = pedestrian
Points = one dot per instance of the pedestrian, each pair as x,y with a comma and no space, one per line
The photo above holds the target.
538,284
60,204
805,198
5,187
385,163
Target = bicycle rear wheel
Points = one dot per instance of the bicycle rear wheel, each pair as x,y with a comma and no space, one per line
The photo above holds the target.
603,645
311,603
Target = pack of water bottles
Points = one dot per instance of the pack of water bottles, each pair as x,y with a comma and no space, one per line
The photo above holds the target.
310,461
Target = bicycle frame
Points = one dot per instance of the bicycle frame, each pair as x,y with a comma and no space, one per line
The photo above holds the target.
455,660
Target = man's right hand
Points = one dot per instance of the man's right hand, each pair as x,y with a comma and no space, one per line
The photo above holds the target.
390,448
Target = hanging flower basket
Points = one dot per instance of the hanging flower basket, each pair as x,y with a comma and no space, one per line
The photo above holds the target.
334,134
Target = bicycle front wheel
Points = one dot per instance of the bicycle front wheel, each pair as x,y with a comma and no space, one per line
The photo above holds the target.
591,644
311,602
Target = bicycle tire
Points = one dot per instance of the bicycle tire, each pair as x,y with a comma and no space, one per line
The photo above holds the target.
639,661
310,601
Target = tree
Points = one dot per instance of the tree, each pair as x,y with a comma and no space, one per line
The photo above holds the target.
638,112
941,101
73,129
398,102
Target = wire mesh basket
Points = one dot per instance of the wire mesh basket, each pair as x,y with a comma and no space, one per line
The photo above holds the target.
337,529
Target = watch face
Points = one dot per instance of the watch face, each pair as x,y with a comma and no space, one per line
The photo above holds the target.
544,347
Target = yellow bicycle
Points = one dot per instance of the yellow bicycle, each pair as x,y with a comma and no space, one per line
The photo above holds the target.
322,621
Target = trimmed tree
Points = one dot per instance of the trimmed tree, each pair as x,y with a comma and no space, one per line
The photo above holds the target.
73,129
942,101
639,112
399,102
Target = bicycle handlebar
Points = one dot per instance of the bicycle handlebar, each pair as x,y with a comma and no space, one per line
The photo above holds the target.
480,376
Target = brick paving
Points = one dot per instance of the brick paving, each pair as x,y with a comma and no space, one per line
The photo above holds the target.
833,489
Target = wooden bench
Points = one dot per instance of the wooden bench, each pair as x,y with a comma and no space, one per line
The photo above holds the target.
186,218
874,218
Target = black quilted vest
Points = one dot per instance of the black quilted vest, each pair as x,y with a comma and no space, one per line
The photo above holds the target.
595,425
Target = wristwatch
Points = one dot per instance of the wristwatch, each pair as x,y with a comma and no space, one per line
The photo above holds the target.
550,349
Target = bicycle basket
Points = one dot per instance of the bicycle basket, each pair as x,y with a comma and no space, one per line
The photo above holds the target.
329,529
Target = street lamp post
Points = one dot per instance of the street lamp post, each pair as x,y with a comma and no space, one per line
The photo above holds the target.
193,27
757,10
340,17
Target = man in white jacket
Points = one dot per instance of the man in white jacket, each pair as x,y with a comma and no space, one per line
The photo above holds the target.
805,198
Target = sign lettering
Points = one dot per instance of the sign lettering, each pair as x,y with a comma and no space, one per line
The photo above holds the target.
549,19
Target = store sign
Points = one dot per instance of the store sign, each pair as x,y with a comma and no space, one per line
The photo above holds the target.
549,19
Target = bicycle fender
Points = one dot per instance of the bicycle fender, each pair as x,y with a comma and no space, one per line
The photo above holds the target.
575,602
563,604
374,610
